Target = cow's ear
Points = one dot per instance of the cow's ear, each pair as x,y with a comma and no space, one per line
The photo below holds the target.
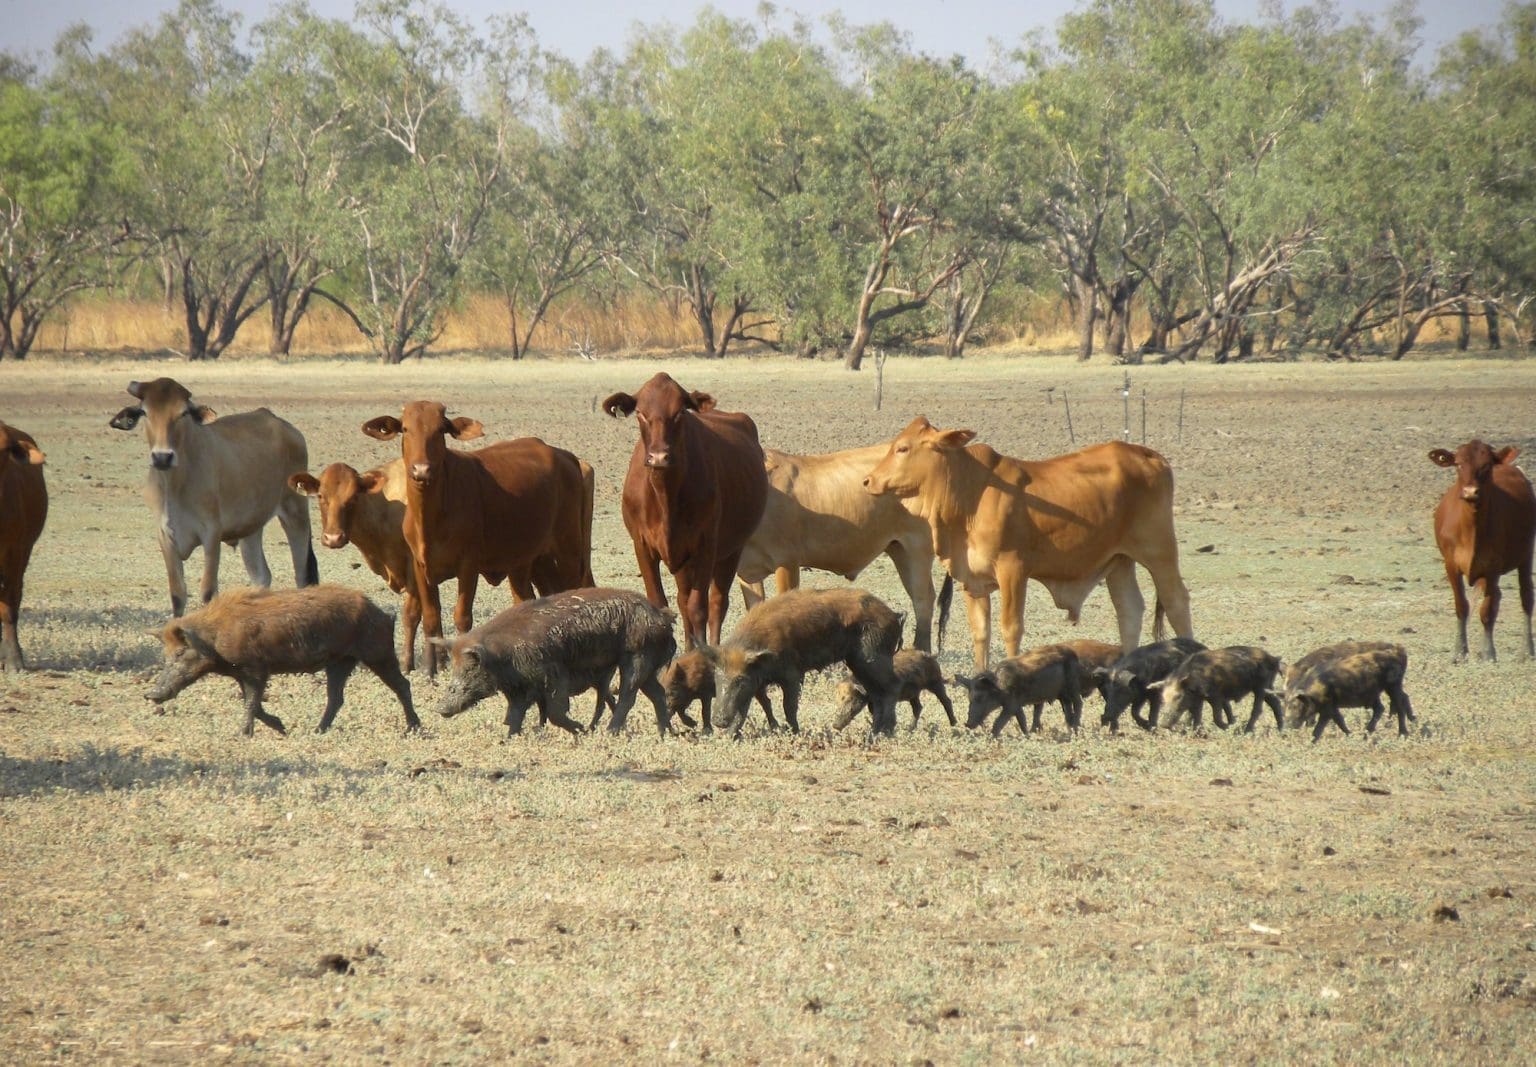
1507,454
136,390
304,483
202,413
619,404
954,438
25,449
465,429
383,428
1441,458
371,480
701,401
126,419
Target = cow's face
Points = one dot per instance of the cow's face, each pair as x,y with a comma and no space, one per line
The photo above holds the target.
1474,463
163,405
660,408
336,491
915,458
422,428
17,446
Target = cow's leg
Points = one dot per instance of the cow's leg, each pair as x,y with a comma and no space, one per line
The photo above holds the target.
210,586
464,607
293,516
1488,614
10,614
785,579
390,674
336,675
752,593
410,621
937,689
978,610
1125,595
917,579
1463,609
175,573
1527,604
1012,584
429,599
720,593
650,574
1172,597
254,556
693,603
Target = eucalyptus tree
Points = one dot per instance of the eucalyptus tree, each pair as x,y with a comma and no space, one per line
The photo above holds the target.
437,107
58,232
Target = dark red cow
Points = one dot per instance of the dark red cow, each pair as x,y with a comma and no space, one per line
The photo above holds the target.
694,493
1485,527
23,509
520,510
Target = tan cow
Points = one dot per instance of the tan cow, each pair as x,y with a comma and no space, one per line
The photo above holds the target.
214,483
819,516
1069,523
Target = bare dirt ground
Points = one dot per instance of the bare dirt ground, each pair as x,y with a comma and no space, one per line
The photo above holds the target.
174,891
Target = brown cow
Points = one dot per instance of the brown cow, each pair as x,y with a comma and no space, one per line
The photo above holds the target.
1069,523
23,510
819,516
368,510
520,510
1485,526
214,483
694,493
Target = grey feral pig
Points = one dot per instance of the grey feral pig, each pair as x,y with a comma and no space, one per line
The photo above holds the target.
546,650
916,673
804,630
1039,676
1127,682
1217,677
1353,681
691,677
1298,670
251,634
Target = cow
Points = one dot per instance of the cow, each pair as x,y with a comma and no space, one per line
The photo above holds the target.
818,516
1069,522
368,510
519,510
251,634
1485,526
23,510
694,493
218,481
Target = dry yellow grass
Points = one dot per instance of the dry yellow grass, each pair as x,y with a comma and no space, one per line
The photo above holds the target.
175,892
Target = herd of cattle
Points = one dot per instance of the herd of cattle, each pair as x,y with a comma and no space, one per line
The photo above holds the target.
704,498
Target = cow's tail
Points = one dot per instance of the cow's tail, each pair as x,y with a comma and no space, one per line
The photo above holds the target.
946,595
311,567
588,494
1159,617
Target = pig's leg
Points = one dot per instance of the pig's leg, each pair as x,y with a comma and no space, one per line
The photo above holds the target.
254,690
916,703
625,700
336,675
556,707
789,688
516,713
658,697
1377,711
762,702
390,674
1274,706
604,701
937,689
1402,709
686,719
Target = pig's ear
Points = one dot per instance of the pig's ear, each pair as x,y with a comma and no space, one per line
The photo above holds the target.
762,655
1100,675
473,654
197,642
710,653
962,681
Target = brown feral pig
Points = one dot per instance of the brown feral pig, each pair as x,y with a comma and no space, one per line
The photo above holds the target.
251,634
1217,677
1355,681
1092,656
1039,676
691,677
916,673
1127,682
543,651
803,630
1298,670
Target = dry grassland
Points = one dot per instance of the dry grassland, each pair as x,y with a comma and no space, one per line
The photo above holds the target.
174,892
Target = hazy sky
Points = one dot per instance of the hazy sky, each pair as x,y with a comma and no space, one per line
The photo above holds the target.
575,27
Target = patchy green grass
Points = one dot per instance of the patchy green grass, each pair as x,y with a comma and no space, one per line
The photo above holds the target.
175,891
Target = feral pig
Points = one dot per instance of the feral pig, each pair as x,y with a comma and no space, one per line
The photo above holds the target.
691,677
1127,683
1354,681
1299,670
1217,677
1039,676
1092,656
543,651
803,630
916,672
251,634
